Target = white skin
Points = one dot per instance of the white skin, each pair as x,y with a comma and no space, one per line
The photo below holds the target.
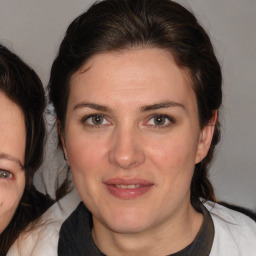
146,131
12,154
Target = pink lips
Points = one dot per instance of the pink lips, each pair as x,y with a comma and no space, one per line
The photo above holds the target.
127,188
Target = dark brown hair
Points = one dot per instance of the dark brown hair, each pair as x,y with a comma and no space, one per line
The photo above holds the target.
115,25
22,85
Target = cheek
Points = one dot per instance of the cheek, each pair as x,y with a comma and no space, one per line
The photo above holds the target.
87,160
174,152
10,196
175,161
84,153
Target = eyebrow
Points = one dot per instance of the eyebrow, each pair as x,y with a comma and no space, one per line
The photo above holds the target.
11,158
91,105
166,104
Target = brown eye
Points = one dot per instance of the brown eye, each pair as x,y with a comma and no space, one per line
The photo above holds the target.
160,120
97,119
5,174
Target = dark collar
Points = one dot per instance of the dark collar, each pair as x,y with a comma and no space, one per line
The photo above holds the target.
202,243
76,239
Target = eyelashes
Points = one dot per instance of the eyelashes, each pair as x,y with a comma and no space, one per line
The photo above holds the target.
154,121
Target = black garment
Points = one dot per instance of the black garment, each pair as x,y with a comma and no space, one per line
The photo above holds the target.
76,239
75,235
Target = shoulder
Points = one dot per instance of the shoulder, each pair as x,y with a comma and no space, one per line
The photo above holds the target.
235,233
42,238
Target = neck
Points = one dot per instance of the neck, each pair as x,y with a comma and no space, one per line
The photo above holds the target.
170,236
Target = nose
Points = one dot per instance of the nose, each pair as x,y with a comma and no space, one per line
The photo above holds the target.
126,151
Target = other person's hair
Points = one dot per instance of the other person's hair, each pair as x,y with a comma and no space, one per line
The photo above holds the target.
22,85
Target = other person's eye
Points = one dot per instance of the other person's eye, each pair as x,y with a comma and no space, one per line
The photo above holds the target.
95,120
5,174
160,121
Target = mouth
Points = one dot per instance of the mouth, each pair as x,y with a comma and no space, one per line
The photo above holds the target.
128,188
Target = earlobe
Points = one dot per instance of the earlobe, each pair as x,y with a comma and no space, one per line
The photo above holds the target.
205,138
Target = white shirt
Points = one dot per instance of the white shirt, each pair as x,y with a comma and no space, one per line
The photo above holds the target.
42,240
235,233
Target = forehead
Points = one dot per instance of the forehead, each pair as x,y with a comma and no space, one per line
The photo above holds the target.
12,130
131,74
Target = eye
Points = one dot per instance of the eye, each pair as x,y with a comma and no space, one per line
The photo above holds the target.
5,174
96,120
160,120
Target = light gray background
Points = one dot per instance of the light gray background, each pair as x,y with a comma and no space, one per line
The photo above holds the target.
34,30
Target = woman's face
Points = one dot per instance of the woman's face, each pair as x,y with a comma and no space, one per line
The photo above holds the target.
132,138
12,153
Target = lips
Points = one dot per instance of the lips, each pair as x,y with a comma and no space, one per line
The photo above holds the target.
127,188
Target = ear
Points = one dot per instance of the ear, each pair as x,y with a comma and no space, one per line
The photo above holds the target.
205,138
61,137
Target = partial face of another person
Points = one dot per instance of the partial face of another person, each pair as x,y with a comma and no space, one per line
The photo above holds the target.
132,138
12,153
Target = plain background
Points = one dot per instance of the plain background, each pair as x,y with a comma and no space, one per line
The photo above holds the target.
34,29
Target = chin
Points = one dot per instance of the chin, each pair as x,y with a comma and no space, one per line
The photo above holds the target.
128,228
128,222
